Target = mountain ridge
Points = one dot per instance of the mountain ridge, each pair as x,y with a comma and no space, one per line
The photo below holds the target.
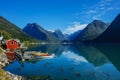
112,33
92,30
37,32
10,30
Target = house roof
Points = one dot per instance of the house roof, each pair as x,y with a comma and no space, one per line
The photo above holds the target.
17,40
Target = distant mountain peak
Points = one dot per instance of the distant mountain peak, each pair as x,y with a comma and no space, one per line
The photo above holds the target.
37,32
112,33
97,21
32,24
93,29
58,30
59,34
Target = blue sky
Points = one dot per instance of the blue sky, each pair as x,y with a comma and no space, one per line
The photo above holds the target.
67,15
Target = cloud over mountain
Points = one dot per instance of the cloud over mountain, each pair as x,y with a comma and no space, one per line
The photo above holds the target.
74,27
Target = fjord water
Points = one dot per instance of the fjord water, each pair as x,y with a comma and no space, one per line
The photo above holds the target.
71,62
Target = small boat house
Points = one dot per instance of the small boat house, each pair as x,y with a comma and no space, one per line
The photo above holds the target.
12,44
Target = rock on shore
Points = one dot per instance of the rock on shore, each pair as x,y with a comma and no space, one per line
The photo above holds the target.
5,75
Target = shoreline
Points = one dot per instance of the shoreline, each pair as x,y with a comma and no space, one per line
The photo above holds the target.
6,75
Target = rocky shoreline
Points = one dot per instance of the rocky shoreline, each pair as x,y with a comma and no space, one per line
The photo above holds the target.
5,75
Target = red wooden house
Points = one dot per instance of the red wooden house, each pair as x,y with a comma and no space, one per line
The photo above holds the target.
12,44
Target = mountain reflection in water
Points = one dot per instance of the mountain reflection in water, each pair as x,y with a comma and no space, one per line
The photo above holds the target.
72,62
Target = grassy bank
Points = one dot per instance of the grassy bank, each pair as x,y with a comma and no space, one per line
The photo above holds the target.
4,75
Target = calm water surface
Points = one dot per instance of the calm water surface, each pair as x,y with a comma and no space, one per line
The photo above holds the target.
72,62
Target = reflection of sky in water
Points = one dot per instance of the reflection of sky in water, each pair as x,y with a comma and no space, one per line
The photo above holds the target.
74,57
69,66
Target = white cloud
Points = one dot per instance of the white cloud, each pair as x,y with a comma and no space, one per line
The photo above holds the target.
51,30
74,27
96,18
91,12
104,2
98,10
110,8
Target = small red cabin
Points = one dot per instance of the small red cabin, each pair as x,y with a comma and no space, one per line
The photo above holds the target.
12,44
